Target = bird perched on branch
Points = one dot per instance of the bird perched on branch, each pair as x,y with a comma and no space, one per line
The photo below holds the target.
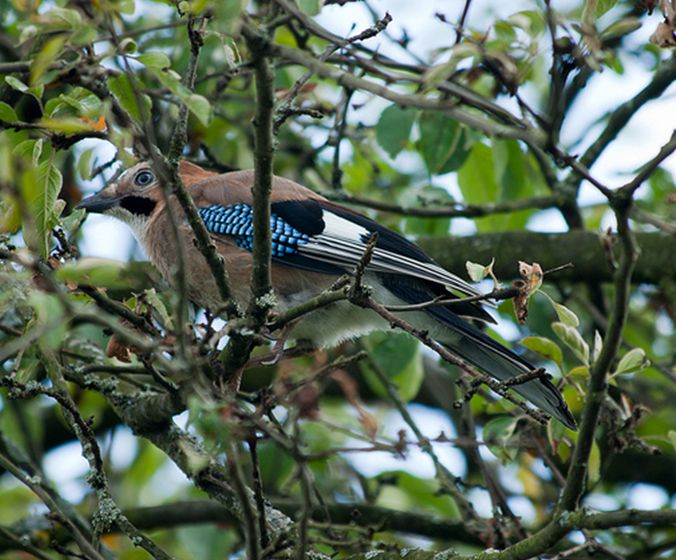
314,241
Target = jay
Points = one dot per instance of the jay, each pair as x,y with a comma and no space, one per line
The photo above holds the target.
313,242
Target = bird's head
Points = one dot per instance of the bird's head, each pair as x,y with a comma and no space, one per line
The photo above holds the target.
133,198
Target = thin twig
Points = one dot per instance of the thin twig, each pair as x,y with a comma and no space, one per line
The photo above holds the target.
497,294
424,337
81,533
249,517
460,28
447,480
258,491
455,210
649,167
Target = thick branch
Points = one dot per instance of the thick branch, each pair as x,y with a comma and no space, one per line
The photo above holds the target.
455,210
577,472
656,262
261,286
201,511
184,450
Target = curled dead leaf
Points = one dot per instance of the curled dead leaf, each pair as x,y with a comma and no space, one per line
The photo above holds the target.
116,348
532,275
663,36
520,301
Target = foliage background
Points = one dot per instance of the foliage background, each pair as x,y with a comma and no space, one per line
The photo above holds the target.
472,134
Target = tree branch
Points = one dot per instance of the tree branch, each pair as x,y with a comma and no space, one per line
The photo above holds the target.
454,210
656,262
262,297
575,479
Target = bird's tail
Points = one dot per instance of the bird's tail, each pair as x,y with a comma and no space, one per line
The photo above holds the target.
494,359
471,344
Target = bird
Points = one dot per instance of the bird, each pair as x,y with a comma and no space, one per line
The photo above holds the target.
314,241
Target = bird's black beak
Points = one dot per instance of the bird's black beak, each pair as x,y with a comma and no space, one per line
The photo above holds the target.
99,202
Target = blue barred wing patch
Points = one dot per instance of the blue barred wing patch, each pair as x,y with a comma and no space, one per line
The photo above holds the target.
236,220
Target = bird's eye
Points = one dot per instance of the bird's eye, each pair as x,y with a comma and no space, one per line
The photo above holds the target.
144,178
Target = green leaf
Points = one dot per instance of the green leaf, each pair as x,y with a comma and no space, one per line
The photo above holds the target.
544,347
207,542
531,21
439,73
227,13
478,182
579,373
440,138
72,221
661,184
672,438
565,315
48,53
37,152
555,434
83,35
573,340
463,148
394,129
497,434
621,28
594,465
510,165
127,7
398,357
310,7
154,59
467,53
276,465
62,19
85,163
198,106
598,346
48,312
84,102
40,189
634,360
10,214
477,272
7,113
172,81
66,125
158,305
25,149
415,494
128,46
603,6
16,84
121,87
90,271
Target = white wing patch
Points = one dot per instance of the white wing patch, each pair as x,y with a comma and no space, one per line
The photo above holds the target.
342,244
340,228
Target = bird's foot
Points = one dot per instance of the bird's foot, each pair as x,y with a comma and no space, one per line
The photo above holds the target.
278,347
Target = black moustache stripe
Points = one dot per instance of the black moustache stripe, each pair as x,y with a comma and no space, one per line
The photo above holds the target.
138,205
